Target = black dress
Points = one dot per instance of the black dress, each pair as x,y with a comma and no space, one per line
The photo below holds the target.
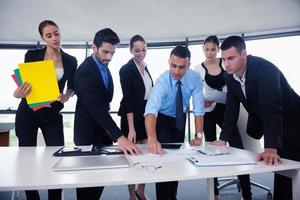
211,119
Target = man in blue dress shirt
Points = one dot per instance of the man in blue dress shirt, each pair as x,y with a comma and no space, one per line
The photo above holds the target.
164,113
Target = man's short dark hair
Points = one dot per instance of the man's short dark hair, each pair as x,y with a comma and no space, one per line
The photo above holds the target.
181,52
234,41
106,35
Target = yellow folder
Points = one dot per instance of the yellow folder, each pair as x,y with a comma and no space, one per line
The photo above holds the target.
41,75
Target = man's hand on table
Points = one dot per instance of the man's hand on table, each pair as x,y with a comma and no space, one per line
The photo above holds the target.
219,143
155,147
269,156
128,147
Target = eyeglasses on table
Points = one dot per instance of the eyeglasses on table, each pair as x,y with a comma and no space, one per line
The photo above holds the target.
150,168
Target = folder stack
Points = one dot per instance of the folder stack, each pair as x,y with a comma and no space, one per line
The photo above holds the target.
44,87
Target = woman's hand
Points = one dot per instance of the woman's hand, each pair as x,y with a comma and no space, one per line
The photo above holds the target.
65,97
196,142
207,103
132,136
23,91
219,143
128,147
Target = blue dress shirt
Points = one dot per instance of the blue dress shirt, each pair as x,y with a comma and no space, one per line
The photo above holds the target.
102,69
163,95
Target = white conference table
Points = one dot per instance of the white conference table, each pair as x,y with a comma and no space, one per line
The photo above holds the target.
28,168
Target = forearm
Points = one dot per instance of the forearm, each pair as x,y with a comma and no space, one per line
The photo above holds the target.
130,121
198,131
70,92
150,123
198,124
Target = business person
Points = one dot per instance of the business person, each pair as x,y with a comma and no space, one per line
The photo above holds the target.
136,83
94,89
48,118
273,108
215,96
165,110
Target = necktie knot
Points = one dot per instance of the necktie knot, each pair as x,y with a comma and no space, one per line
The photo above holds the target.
178,83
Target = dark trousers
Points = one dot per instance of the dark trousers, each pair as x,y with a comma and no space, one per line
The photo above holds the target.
168,133
52,194
48,120
283,185
51,124
90,193
290,150
211,119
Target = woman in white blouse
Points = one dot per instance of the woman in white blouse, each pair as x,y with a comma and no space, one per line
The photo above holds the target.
136,83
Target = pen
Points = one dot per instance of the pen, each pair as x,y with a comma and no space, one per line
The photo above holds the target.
220,154
199,151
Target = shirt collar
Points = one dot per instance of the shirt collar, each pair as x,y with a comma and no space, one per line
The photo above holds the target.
173,82
144,64
98,63
243,79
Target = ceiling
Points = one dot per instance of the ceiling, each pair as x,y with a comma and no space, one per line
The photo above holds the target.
156,20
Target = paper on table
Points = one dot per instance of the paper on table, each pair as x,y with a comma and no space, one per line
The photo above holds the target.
41,76
169,157
212,150
222,160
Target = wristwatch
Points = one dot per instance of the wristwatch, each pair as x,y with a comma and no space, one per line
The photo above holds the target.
199,135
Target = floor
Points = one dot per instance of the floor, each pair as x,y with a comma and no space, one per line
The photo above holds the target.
187,190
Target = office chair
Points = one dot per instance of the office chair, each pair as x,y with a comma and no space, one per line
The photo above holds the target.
249,144
234,180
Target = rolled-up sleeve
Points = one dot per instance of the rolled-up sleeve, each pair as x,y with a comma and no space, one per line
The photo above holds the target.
154,102
198,96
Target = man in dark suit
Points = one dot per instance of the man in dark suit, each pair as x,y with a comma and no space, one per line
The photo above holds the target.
94,89
273,108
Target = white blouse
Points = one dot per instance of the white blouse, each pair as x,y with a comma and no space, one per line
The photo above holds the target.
147,81
59,73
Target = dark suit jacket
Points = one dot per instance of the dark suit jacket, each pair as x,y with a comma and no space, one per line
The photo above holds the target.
93,123
133,89
272,104
69,65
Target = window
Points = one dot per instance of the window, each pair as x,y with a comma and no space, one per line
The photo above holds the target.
283,52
